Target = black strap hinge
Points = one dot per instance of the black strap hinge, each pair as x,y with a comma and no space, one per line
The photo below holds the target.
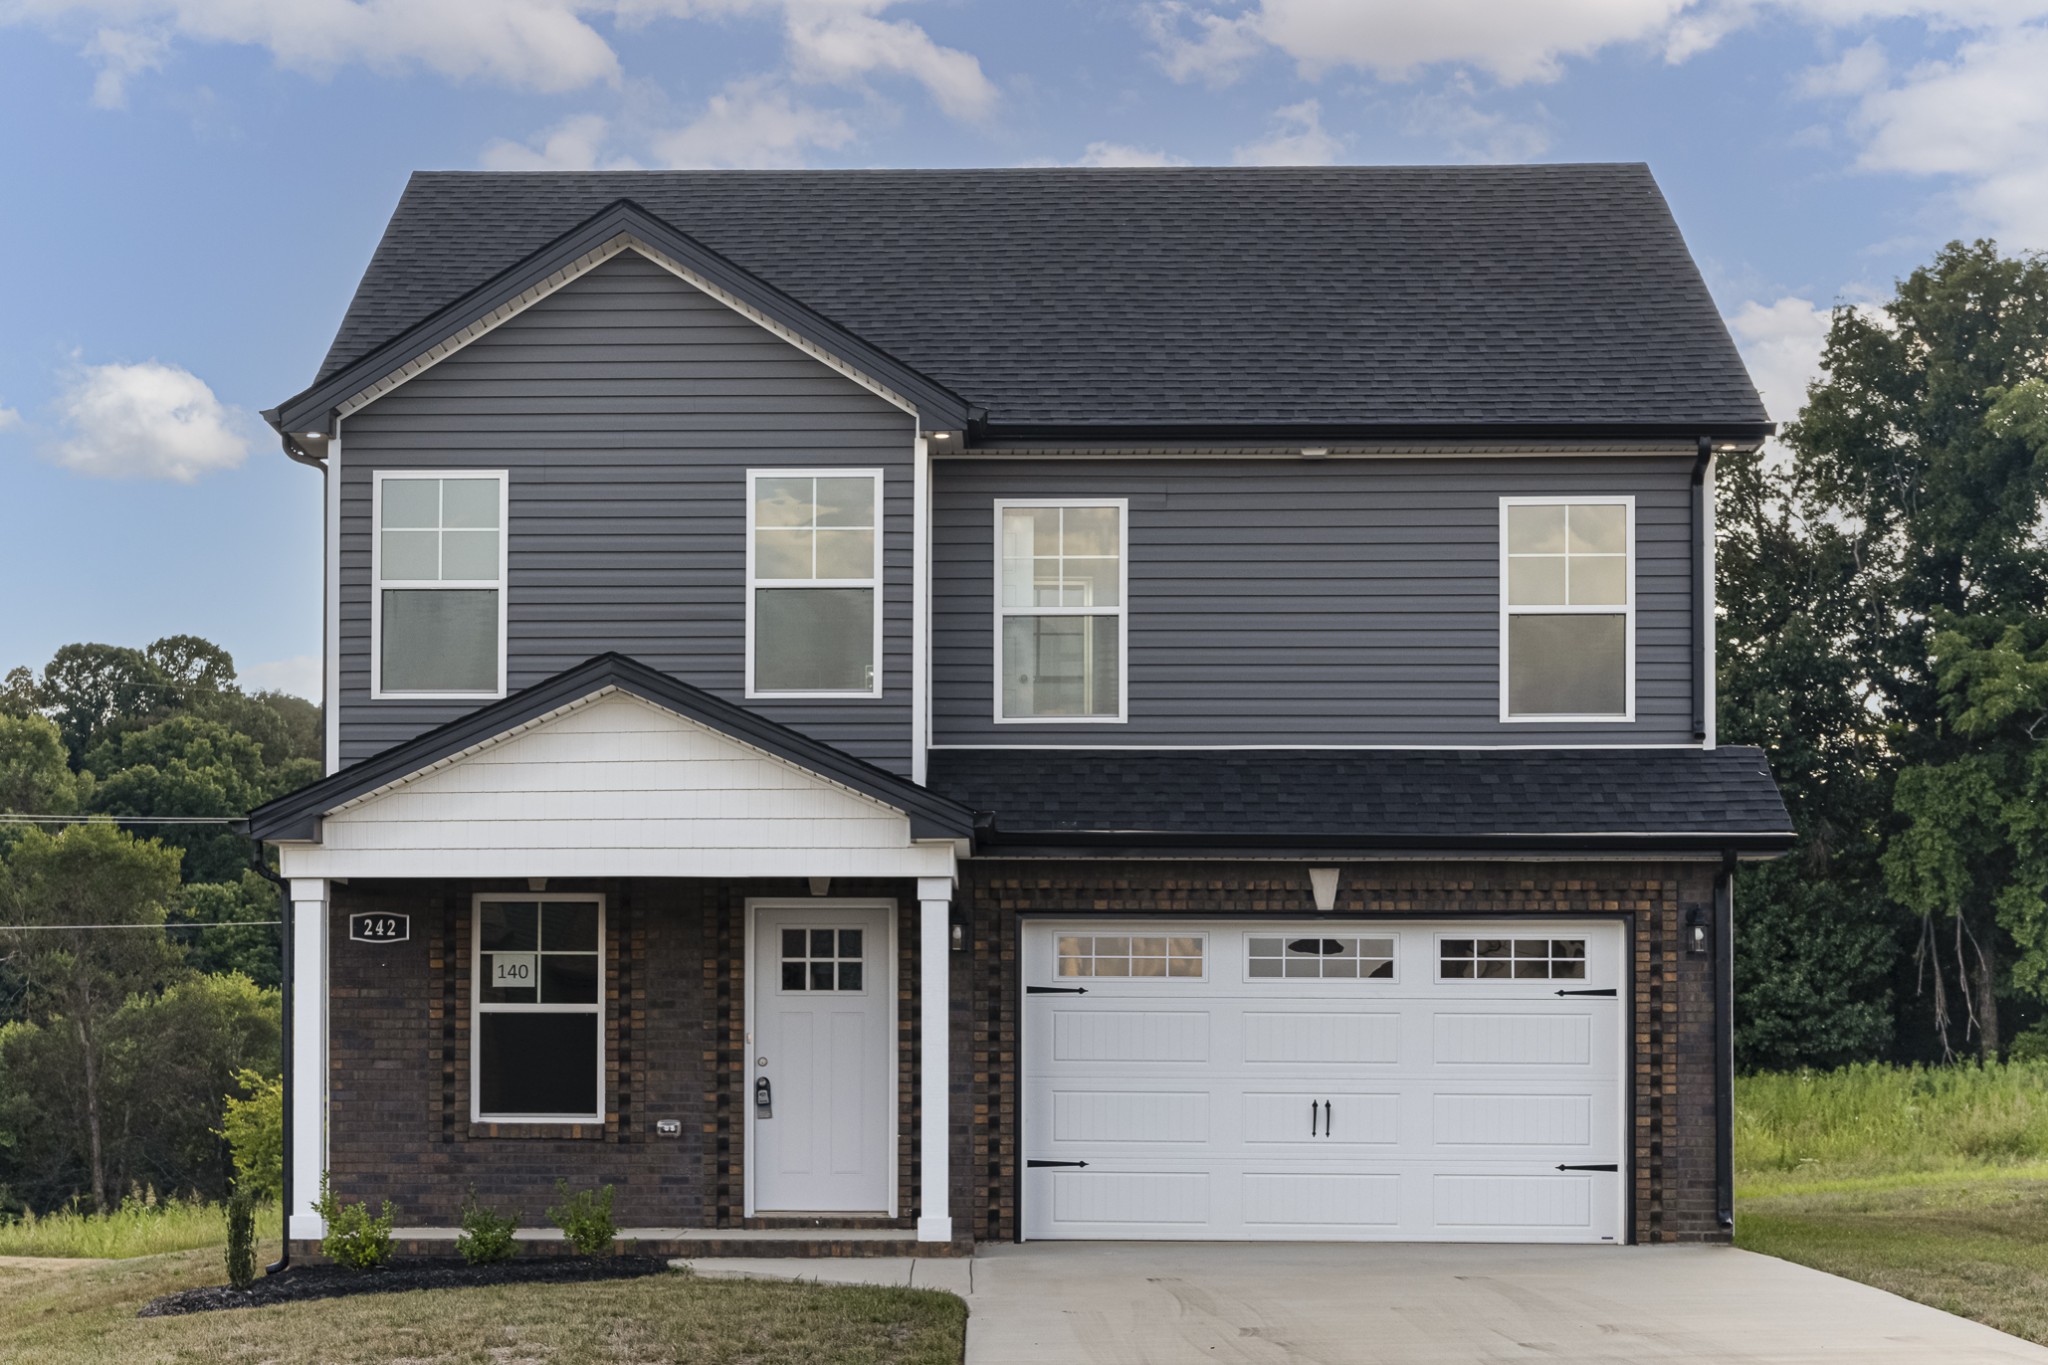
1609,1167
1036,1164
1071,990
1604,990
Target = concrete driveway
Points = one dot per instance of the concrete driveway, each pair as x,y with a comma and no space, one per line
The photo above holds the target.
1163,1304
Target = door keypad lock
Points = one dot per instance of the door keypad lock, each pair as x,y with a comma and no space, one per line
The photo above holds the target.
764,1099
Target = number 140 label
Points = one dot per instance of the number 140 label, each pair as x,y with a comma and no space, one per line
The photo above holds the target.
515,970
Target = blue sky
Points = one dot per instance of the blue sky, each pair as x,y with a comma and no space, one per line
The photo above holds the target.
189,189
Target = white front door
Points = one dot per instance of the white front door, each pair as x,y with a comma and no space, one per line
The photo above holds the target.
1404,1081
821,1064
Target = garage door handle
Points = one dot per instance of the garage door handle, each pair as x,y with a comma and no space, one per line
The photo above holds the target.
1607,990
1329,1127
1609,1167
1312,1118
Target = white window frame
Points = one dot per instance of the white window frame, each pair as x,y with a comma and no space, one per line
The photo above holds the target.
1244,956
1122,611
1627,612
873,583
478,1005
502,584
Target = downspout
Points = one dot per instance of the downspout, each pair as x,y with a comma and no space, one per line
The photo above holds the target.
284,912
296,452
1724,1043
1699,588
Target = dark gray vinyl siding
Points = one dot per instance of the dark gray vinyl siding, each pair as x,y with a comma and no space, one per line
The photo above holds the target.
1293,602
628,409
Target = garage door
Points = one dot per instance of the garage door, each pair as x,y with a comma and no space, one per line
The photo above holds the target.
1413,1081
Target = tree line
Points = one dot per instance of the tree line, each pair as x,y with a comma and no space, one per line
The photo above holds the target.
123,1029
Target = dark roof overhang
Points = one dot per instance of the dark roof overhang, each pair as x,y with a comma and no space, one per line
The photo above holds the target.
296,816
1731,432
313,408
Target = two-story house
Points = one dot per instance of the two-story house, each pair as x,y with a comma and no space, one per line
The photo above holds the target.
972,705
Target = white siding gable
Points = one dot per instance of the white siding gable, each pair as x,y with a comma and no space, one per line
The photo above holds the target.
614,786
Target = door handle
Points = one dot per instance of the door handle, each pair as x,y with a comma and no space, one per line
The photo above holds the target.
764,1099
1312,1118
1328,1127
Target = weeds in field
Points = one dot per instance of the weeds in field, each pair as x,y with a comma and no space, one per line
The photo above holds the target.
143,1225
1871,1119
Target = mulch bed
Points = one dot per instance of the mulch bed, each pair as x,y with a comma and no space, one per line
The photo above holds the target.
297,1283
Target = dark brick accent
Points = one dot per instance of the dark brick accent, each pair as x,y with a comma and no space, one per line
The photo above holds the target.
1673,1156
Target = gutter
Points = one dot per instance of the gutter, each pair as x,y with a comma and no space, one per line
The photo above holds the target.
1698,604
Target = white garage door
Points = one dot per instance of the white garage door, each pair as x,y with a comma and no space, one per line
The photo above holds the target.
1412,1081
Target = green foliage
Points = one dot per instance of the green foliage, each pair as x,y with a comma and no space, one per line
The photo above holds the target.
190,766
35,771
585,1218
487,1235
241,1251
354,1238
256,951
142,1225
253,1125
1872,1119
165,1063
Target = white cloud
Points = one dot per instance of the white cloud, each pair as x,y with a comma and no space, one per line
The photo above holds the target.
147,421
575,144
752,123
1980,118
1123,154
10,418
299,675
1454,118
1781,343
122,55
1297,138
1215,52
829,45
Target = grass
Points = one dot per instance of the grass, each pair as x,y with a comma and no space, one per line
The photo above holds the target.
85,1315
1930,1184
140,1227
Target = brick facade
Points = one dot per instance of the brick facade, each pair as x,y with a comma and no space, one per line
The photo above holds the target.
399,1018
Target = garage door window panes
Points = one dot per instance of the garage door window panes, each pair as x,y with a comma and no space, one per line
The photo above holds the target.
1344,958
539,1010
1119,955
1511,959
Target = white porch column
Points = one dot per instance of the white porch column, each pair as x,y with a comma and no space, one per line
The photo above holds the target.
935,1062
308,1118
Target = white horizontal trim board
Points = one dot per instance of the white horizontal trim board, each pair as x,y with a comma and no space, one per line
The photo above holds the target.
617,786
1335,748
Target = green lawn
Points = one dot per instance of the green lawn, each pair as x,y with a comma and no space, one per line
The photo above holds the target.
84,1314
1928,1184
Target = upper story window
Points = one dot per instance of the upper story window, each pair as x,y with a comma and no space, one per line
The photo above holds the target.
1567,609
438,610
1060,610
814,566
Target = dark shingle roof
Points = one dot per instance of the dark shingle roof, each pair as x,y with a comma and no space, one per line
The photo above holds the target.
1722,797
1339,296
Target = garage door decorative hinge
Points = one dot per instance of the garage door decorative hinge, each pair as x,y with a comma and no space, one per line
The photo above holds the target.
1063,990
1604,990
1035,1164
1609,1167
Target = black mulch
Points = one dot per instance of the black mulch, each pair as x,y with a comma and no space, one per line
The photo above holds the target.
300,1282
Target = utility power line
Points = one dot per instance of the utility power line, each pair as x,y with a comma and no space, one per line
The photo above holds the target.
202,924
11,819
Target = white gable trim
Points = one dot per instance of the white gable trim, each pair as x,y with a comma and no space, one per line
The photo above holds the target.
576,269
613,785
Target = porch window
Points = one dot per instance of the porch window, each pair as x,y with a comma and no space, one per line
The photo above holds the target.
537,1038
437,616
1060,610
1567,615
814,564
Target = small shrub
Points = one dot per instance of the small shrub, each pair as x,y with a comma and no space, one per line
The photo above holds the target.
254,1127
486,1236
354,1239
241,1239
585,1218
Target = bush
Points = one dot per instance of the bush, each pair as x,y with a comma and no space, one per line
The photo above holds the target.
241,1240
354,1239
254,1128
486,1234
585,1218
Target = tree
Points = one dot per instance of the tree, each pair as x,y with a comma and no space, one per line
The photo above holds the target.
88,875
1924,442
35,774
1815,935
186,766
87,687
256,951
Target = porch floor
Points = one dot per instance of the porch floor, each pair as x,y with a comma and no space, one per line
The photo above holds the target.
693,1242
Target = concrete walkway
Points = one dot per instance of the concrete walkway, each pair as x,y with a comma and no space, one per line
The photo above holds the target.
1167,1304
